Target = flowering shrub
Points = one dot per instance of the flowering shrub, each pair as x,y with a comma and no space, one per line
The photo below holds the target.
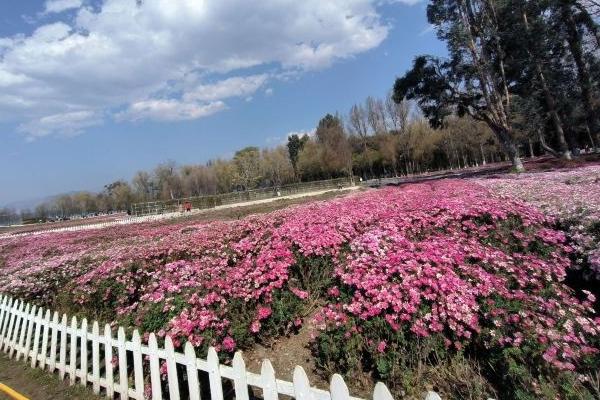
572,197
402,277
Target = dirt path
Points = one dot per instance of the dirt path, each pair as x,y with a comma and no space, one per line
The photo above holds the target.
36,384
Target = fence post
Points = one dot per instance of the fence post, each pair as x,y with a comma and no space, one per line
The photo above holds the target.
171,369
44,353
154,368
192,372
267,374
53,342
84,352
73,352
62,360
96,357
240,381
108,355
36,337
122,354
214,374
138,366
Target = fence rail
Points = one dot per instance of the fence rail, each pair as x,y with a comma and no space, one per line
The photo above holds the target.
205,202
125,366
157,212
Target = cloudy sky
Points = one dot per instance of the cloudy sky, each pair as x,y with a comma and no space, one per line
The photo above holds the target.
93,90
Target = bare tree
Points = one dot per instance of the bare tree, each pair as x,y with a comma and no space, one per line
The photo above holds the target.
357,119
398,114
276,167
376,115
142,185
247,162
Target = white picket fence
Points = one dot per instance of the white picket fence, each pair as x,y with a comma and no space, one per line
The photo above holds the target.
133,370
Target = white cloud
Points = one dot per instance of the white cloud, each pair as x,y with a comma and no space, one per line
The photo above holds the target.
182,58
279,140
237,86
269,91
58,6
69,123
170,110
302,132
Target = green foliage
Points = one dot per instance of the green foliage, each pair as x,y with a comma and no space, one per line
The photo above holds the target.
313,274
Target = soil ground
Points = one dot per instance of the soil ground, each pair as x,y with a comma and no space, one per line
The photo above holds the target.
36,384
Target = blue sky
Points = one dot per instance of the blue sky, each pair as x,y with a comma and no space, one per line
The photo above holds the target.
91,92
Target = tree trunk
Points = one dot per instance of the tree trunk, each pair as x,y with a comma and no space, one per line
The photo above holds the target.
547,148
482,154
531,155
511,151
585,83
548,97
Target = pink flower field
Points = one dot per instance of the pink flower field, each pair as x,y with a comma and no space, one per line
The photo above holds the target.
392,279
572,197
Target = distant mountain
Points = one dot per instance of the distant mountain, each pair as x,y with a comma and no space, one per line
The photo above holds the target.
30,204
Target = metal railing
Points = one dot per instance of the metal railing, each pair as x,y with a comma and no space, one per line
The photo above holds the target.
212,201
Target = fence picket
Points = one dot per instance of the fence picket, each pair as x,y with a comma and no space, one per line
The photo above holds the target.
381,392
11,321
44,349
36,338
269,382
30,320
14,342
171,369
122,354
214,374
240,382
8,318
22,326
192,372
95,357
154,368
339,390
73,352
83,358
302,389
62,360
138,366
53,342
108,359
3,313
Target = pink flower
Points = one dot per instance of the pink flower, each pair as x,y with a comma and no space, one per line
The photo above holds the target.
255,327
264,313
382,346
228,344
300,293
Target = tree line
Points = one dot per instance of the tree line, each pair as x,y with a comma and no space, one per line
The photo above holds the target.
375,138
528,69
